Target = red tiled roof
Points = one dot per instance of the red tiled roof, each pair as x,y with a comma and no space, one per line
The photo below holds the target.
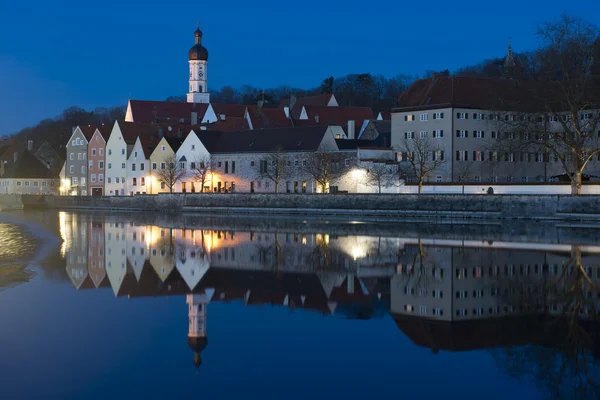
465,92
268,118
320,100
88,131
230,124
386,115
339,115
229,110
145,111
482,333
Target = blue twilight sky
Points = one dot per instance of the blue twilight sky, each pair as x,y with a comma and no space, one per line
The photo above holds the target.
54,54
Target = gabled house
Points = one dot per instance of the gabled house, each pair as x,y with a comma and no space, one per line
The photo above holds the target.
97,160
137,169
162,154
22,173
76,160
191,155
121,140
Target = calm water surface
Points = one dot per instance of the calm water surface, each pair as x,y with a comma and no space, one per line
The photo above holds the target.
141,306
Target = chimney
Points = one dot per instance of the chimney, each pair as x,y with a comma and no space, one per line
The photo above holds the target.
179,133
317,118
161,133
15,156
194,118
351,129
286,110
30,145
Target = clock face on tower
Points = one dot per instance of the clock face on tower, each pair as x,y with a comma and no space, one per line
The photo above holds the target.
200,74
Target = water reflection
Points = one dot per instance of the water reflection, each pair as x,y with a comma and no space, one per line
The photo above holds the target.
533,305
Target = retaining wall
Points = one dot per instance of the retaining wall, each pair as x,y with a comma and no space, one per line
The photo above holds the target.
441,205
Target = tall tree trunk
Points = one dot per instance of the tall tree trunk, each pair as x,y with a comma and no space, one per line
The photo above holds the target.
420,186
576,183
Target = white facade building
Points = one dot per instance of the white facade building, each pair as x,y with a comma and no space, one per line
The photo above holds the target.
116,163
137,169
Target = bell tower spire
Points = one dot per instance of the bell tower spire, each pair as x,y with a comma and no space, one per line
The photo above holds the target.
198,64
509,62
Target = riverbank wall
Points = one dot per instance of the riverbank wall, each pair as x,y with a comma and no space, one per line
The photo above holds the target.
554,207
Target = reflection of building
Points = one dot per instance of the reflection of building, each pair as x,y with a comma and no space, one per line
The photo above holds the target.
115,251
96,259
460,281
197,339
444,294
76,232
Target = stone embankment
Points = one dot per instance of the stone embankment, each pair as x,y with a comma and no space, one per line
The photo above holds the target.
556,207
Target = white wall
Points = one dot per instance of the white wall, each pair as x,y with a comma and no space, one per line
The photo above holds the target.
27,186
193,150
138,159
498,189
116,156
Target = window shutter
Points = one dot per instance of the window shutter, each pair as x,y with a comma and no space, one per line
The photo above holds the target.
482,134
457,155
483,156
474,115
466,115
405,135
466,134
406,118
413,117
474,155
442,133
441,115
442,155
458,133
457,115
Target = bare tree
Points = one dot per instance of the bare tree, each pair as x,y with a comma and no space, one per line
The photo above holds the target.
382,174
559,116
172,172
421,156
323,166
201,169
275,167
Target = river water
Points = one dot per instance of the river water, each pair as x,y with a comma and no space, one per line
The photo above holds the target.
107,306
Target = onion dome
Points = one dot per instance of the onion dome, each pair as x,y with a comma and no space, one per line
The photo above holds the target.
197,344
198,52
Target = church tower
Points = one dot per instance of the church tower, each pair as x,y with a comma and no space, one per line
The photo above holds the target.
509,63
198,60
197,339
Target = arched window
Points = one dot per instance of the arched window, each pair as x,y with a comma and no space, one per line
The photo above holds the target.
199,88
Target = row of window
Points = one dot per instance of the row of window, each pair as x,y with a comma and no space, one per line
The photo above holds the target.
25,183
100,165
436,312
424,117
478,116
463,155
95,151
100,178
80,156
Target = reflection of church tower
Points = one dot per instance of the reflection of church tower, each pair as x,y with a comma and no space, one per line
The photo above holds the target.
509,63
198,60
197,339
